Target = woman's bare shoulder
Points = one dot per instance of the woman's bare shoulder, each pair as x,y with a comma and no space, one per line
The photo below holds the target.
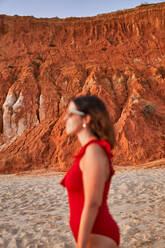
95,154
95,149
95,159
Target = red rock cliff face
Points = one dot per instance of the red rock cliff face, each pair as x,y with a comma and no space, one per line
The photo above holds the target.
118,56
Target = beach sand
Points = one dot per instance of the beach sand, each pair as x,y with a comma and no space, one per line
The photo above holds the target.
34,209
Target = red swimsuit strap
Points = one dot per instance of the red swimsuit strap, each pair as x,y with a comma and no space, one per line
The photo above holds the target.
103,143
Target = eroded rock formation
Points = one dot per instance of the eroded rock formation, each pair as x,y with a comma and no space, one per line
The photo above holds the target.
44,62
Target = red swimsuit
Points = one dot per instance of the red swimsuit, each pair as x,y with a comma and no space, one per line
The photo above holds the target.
104,223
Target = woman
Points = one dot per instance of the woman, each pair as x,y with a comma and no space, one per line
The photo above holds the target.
88,180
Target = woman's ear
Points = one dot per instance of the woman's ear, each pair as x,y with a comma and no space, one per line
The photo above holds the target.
87,119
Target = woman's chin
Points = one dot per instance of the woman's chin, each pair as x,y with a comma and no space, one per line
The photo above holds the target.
73,131
69,132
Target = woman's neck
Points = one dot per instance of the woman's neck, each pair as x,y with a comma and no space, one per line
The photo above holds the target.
85,136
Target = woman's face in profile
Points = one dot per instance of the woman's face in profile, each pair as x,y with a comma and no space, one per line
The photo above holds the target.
73,120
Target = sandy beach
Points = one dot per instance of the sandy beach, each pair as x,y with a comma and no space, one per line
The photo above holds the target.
34,210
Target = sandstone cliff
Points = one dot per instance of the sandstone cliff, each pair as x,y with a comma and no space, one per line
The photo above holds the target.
118,56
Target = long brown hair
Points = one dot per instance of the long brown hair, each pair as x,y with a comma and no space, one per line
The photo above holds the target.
100,124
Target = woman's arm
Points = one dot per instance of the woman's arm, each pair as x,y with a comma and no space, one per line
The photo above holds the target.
95,172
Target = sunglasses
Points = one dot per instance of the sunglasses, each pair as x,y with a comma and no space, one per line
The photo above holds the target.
72,112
